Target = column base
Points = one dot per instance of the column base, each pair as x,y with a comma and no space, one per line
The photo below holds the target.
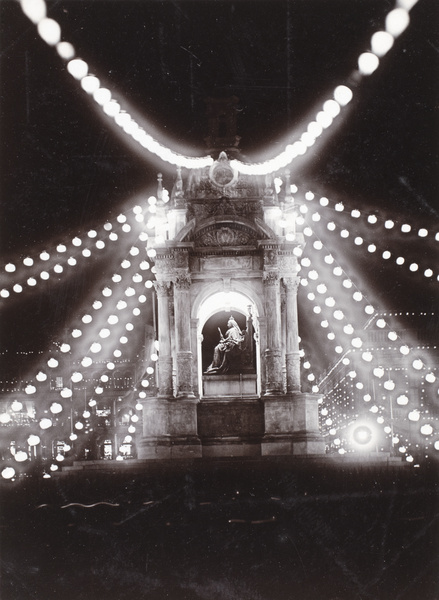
291,425
169,430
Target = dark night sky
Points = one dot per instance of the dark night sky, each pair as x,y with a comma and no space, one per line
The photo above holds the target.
63,169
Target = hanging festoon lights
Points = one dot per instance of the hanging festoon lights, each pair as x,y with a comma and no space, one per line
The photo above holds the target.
381,42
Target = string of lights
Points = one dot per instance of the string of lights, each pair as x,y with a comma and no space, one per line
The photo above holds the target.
396,22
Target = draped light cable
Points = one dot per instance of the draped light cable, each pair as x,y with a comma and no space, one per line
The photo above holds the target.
397,20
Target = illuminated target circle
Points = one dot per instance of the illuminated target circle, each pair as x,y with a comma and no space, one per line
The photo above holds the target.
362,435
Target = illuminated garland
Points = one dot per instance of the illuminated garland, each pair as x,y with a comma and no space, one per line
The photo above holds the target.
397,20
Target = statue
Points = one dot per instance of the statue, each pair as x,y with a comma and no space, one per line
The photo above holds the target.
223,351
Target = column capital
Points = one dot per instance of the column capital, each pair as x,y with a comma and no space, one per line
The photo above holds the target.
291,284
270,278
182,281
163,288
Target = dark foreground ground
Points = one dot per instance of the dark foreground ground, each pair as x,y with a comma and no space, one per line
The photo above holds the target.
223,530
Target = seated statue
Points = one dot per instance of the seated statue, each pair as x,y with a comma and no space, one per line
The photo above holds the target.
224,351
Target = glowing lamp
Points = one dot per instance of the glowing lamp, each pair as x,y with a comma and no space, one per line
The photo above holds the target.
78,68
56,408
307,138
35,10
110,366
86,361
79,425
102,96
76,377
368,63
73,437
436,445
357,342
139,406
404,350
21,456
426,429
362,435
381,42
378,372
66,393
402,400
10,268
324,119
65,50
54,467
52,363
17,288
30,389
99,389
90,84
28,261
407,4
45,423
40,376
389,385
16,405
430,378
342,95
121,305
95,347
338,314
374,409
86,414
104,333
8,473
111,108
397,21
134,418
33,440
87,319
417,364
367,356
150,370
414,415
49,31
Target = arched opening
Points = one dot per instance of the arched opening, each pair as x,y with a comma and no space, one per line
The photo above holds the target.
244,361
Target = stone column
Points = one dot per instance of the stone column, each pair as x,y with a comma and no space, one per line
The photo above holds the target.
292,356
163,289
182,314
273,353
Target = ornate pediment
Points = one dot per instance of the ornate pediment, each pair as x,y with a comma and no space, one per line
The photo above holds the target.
225,234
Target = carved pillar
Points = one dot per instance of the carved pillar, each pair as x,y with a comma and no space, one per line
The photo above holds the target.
183,334
163,289
273,353
292,356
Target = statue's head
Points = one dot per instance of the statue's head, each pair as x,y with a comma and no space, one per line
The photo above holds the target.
231,322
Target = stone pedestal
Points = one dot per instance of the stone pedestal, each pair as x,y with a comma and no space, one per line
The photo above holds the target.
291,425
230,427
169,429
237,386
